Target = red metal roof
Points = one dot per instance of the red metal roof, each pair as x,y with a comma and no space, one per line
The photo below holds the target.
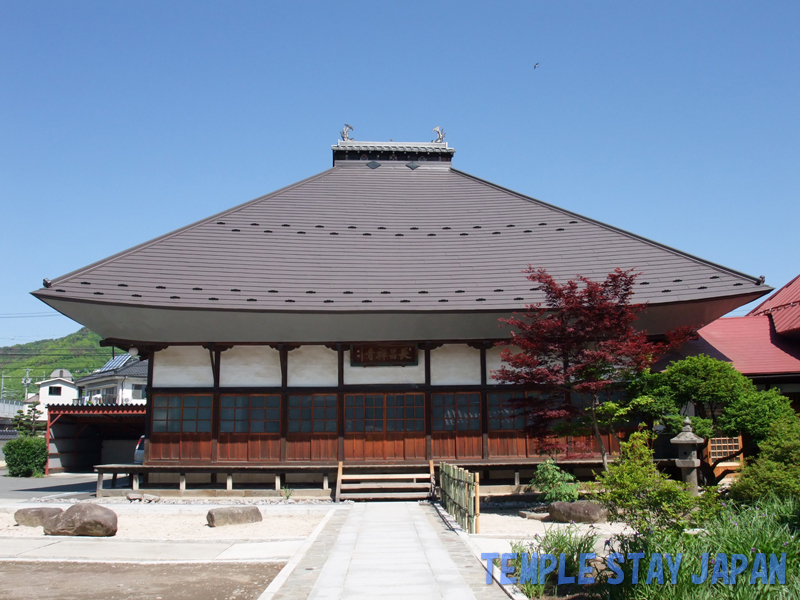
784,307
98,409
752,345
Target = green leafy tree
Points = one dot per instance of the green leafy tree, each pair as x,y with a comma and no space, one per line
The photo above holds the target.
754,414
556,484
776,472
28,423
635,492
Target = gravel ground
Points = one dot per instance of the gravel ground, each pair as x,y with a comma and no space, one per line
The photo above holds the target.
509,525
71,581
173,523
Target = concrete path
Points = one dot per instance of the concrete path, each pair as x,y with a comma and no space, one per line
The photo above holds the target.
388,550
109,550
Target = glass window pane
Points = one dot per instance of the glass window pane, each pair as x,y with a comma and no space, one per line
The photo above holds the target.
160,402
242,401
226,426
273,414
175,414
160,413
242,414
294,401
190,413
242,426
174,426
204,413
272,427
319,425
494,424
437,399
174,401
330,426
419,412
294,413
205,401
420,426
258,402
438,424
319,412
226,414
189,426
305,414
204,427
294,426
305,401
159,426
390,426
257,414
190,401
228,401
305,426
273,401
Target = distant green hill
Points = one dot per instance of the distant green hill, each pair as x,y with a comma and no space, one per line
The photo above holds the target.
79,352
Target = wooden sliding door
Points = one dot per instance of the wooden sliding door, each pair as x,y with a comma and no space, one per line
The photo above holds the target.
384,427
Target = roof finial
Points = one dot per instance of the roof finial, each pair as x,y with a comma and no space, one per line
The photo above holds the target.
346,132
439,135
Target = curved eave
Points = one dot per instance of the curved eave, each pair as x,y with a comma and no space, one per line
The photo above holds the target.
194,326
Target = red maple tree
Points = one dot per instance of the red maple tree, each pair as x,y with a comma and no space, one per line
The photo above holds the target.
583,341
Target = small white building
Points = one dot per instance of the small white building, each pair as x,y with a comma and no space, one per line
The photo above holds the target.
59,388
122,380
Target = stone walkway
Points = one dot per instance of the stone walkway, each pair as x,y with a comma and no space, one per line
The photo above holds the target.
388,550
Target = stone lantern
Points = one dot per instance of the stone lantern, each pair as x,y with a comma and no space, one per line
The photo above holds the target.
687,460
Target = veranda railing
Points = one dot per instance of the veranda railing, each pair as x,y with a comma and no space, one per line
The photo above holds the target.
460,492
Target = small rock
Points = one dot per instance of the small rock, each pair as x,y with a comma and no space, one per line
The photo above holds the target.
132,497
582,511
83,519
151,498
233,515
35,517
529,514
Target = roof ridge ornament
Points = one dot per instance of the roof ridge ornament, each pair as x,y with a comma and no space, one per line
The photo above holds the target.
439,135
345,133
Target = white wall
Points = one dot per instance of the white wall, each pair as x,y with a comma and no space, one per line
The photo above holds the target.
251,365
182,366
359,375
493,361
312,366
455,364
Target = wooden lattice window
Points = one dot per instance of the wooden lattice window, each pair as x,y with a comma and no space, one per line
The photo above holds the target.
720,447
250,414
182,414
365,413
456,412
504,414
312,413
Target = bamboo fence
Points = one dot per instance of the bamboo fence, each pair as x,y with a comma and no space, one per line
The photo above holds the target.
460,491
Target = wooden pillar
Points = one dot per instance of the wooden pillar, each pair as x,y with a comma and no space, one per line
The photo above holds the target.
148,419
284,356
340,404
215,405
484,406
428,408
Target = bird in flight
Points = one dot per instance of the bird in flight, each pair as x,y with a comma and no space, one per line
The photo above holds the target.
536,66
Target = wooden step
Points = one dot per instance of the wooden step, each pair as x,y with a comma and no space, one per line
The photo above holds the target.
394,495
377,476
386,486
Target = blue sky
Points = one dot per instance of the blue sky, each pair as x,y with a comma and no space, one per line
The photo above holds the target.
120,121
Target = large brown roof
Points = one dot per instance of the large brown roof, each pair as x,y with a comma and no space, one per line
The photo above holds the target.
389,238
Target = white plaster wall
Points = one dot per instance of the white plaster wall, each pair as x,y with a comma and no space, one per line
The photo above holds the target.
357,375
312,366
69,394
182,366
455,364
493,361
251,365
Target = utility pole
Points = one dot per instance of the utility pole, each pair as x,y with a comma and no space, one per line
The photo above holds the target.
3,385
26,382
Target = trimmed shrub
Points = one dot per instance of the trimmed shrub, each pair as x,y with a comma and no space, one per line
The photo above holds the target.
26,456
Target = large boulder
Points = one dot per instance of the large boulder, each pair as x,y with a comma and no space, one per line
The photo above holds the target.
83,518
35,517
233,515
581,511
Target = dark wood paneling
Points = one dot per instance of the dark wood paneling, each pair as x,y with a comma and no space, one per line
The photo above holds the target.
312,446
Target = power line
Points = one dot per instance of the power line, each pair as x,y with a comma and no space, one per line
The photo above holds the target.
42,316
